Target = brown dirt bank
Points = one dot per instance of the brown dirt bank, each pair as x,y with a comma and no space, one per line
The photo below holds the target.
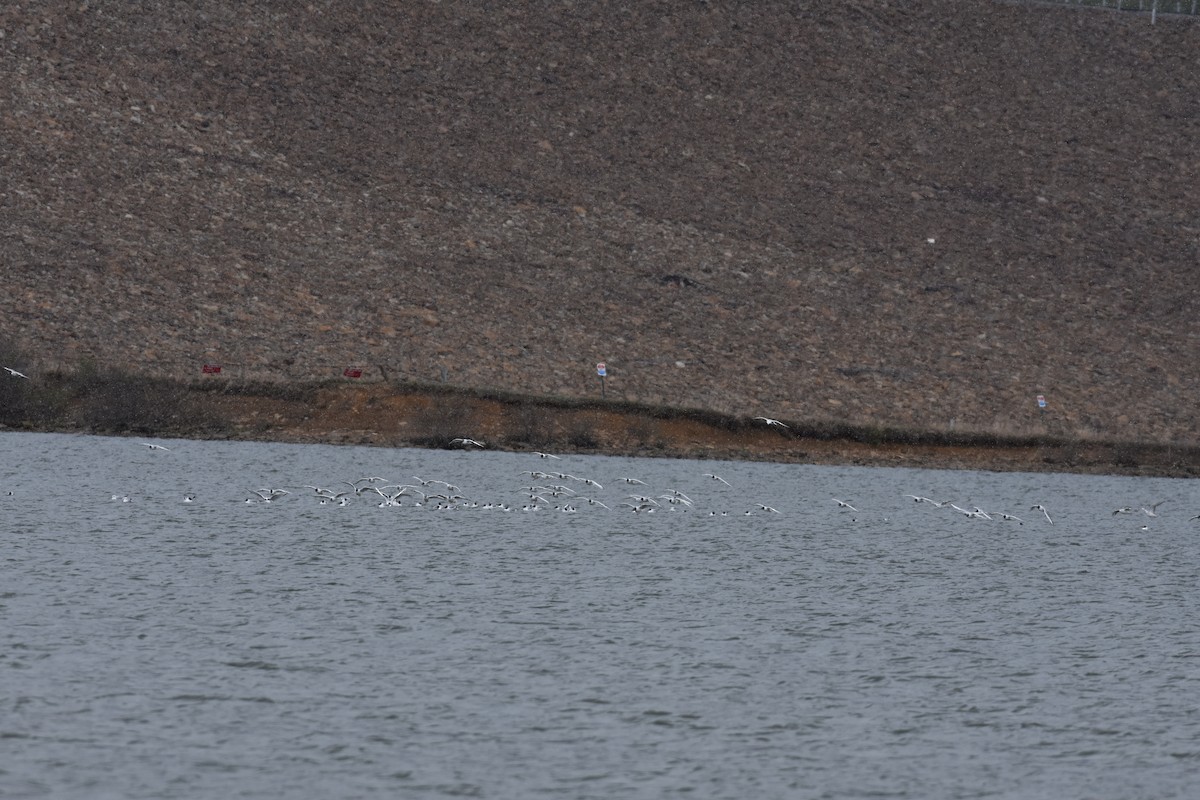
398,415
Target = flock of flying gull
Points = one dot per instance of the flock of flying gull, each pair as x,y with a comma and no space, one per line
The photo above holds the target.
546,491
549,490
544,494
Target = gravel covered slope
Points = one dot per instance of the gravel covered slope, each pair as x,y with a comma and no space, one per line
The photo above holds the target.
920,214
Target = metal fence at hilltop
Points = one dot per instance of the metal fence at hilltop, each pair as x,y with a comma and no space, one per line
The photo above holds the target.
1151,7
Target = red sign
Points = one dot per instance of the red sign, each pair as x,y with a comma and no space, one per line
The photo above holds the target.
601,370
212,369
351,372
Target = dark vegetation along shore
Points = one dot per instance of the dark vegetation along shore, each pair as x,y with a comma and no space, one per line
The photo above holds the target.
892,225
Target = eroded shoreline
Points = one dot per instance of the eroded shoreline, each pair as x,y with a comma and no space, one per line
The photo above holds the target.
390,415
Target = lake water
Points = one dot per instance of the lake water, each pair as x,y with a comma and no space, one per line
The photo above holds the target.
215,649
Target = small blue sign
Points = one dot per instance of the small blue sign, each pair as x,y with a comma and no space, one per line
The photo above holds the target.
601,370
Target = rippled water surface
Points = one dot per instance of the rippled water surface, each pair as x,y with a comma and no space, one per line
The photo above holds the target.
219,648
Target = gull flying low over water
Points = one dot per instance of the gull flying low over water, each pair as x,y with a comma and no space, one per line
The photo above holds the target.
155,446
328,494
449,486
430,483
586,481
775,422
268,495
547,455
464,442
935,503
844,504
718,478
16,374
1042,508
1152,510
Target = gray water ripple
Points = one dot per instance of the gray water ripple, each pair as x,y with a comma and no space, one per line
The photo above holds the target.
212,649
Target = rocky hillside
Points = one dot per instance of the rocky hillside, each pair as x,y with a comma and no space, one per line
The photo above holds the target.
920,214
